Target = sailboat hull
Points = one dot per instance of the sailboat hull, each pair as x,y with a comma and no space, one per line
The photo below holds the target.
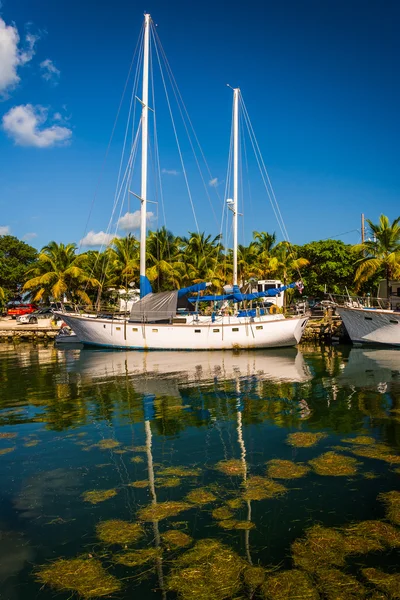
369,326
234,333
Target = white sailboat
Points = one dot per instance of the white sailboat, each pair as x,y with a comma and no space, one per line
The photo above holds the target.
157,322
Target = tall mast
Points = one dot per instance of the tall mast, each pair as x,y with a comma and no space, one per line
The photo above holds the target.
236,93
145,129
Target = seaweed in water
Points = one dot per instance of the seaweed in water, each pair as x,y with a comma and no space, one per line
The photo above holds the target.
388,582
209,571
139,449
168,482
96,496
7,436
336,585
289,585
321,547
360,440
234,524
135,558
304,439
286,469
334,464
137,459
7,450
368,536
144,483
234,466
221,513
378,452
107,444
200,496
234,503
178,472
392,503
117,531
262,488
86,576
254,577
176,538
162,510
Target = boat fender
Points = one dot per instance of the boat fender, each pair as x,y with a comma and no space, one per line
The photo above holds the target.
273,309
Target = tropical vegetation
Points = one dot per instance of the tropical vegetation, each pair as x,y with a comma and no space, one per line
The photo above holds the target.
60,271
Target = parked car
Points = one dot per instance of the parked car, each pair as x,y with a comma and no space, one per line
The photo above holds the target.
16,310
35,317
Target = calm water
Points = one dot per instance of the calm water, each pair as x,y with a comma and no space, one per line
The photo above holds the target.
82,420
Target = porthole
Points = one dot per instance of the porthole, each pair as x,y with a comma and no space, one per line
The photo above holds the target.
215,330
155,330
235,328
393,321
104,326
118,328
134,329
368,318
259,327
197,330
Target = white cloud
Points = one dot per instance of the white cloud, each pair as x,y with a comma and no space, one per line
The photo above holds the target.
97,239
213,182
131,221
12,56
29,236
25,125
4,230
170,172
50,71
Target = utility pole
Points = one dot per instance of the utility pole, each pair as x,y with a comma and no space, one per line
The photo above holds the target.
362,228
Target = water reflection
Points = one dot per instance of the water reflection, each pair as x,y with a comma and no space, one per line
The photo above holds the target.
82,420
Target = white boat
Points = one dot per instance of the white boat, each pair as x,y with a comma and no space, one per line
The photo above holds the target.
371,325
66,336
155,321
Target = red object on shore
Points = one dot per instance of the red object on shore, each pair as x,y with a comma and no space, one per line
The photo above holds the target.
21,309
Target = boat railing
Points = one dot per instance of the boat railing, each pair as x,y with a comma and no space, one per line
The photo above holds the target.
365,302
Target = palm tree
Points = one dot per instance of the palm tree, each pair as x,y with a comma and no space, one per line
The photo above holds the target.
285,263
162,253
122,262
264,242
58,272
201,255
382,253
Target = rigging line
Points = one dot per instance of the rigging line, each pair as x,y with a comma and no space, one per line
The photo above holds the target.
225,209
286,235
111,137
247,172
179,101
265,183
177,142
187,113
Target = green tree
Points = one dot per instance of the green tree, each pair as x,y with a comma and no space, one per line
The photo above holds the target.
164,266
58,272
331,266
15,257
381,254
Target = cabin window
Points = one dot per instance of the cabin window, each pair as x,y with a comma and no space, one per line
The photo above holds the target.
393,321
118,328
235,328
155,330
197,330
215,330
368,318
134,329
259,327
104,326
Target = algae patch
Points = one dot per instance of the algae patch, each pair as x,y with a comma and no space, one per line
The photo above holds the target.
289,585
117,531
135,558
286,469
360,440
107,444
262,488
336,585
144,483
321,547
7,450
234,466
85,576
392,504
96,496
162,510
168,482
176,538
209,571
200,496
137,459
388,582
221,513
303,439
178,472
334,465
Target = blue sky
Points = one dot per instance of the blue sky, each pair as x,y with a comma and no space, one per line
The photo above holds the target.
320,82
